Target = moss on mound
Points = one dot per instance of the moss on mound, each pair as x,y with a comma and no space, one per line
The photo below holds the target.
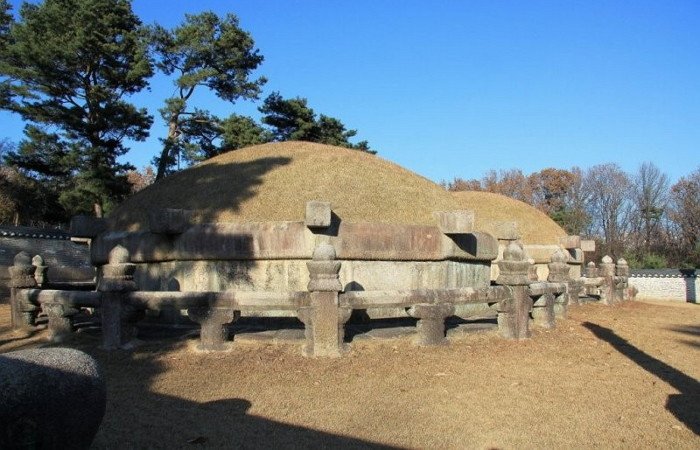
535,227
273,182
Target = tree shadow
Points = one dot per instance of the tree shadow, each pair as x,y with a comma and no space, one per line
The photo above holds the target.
222,187
684,405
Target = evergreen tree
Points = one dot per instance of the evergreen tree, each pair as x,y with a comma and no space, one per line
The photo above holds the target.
68,67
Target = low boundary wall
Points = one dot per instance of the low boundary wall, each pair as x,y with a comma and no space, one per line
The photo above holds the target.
680,285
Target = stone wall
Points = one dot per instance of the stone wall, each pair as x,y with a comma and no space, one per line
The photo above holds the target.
67,260
666,284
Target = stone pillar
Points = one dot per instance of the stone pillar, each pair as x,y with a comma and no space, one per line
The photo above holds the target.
22,277
117,281
40,271
324,319
591,272
607,289
431,322
622,270
559,270
514,312
532,270
214,321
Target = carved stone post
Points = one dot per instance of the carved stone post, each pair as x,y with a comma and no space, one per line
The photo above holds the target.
559,273
622,270
607,271
324,319
591,270
514,312
22,277
40,271
214,331
431,322
117,280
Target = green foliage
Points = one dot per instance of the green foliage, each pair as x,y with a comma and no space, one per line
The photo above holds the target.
68,67
293,119
205,51
646,261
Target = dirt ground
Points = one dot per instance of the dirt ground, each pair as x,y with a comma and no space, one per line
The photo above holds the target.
610,377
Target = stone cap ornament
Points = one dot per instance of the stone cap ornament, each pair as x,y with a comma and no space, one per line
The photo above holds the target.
40,272
22,271
514,268
323,270
622,268
558,268
118,274
607,267
591,270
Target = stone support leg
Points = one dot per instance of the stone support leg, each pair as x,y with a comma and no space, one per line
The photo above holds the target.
60,321
431,322
111,313
514,314
214,321
543,311
561,305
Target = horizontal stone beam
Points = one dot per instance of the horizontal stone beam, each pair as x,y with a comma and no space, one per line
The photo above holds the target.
88,299
542,288
505,230
293,240
588,245
407,298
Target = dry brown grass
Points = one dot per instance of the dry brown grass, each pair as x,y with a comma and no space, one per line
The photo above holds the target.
274,182
620,377
534,226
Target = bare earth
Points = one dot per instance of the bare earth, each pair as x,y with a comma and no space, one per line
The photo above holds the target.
607,377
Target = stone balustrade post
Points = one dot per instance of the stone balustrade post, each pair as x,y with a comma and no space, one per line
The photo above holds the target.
607,272
40,273
324,319
117,281
214,329
22,277
622,270
431,322
559,271
514,312
543,311
591,270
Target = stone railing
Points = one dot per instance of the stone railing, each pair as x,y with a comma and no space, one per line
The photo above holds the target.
517,300
608,283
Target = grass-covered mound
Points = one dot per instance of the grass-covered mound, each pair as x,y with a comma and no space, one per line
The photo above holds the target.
535,227
273,182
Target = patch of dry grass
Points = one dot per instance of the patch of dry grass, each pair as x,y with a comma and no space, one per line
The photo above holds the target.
273,182
610,377
534,226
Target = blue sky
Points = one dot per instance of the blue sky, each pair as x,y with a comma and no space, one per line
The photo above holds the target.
456,88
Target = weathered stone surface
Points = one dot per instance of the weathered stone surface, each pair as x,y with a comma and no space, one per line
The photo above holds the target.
591,270
570,242
514,313
388,242
515,267
559,267
469,247
505,230
318,214
50,398
455,222
622,269
587,245
21,277
40,271
87,226
169,221
143,246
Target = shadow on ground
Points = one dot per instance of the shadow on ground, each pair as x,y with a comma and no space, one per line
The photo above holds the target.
684,406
